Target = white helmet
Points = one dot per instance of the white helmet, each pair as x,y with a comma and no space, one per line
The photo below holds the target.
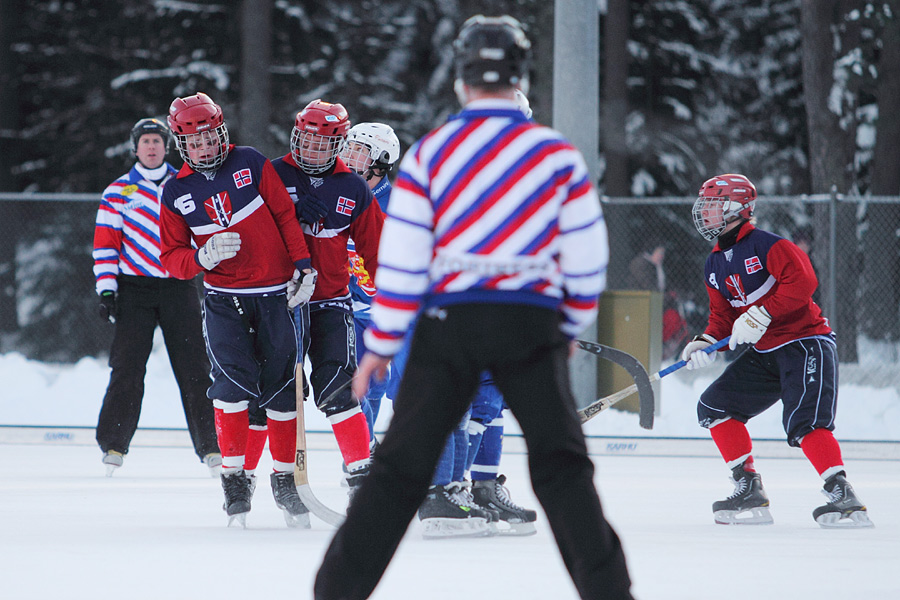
370,146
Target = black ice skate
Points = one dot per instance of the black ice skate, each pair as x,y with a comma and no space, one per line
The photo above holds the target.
237,497
514,520
748,505
843,508
462,491
442,515
286,498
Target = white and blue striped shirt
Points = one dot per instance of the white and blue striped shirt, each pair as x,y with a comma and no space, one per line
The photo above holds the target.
489,208
126,237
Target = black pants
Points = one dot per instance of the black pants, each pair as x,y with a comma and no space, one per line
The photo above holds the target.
526,353
174,305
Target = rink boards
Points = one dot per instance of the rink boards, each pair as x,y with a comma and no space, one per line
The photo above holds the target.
597,445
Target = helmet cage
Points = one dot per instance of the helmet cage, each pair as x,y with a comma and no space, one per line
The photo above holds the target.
370,147
358,156
314,153
712,214
216,138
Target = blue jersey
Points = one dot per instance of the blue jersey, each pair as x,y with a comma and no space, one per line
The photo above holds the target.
362,287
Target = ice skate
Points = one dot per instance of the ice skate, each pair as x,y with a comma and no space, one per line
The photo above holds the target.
442,516
748,505
355,478
237,497
462,490
286,498
213,462
251,482
514,520
843,508
113,460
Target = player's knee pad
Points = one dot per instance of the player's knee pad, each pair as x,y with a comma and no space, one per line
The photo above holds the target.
708,414
326,380
227,389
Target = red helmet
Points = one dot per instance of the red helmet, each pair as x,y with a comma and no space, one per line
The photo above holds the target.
318,132
199,129
723,199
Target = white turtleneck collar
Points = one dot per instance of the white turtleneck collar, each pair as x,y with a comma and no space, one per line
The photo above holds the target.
152,174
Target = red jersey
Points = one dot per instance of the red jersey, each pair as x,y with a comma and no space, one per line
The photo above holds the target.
766,270
245,196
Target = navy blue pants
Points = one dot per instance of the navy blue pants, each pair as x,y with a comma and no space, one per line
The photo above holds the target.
802,374
328,337
253,350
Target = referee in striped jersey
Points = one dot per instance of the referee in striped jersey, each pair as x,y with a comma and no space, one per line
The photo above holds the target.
495,235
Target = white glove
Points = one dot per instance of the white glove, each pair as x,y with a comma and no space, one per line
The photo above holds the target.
749,327
695,356
218,248
301,287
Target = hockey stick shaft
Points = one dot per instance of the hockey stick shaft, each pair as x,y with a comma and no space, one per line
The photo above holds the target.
301,475
591,410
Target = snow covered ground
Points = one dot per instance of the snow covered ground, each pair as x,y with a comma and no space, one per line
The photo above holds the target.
35,393
156,529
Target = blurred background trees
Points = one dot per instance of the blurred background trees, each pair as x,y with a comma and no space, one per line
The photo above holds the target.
793,93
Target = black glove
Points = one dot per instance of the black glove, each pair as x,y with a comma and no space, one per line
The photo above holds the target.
107,306
311,209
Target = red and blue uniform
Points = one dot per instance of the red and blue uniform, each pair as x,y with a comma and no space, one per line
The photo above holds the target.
325,325
249,333
795,360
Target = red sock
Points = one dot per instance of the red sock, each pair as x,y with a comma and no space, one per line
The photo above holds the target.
734,443
256,442
283,440
352,435
231,432
823,451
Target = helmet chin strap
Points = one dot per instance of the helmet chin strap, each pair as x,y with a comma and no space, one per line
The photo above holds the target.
459,88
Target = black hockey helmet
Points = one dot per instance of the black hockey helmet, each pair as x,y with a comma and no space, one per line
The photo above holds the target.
492,51
150,125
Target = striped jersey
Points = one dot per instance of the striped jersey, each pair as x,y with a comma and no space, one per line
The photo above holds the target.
489,208
126,235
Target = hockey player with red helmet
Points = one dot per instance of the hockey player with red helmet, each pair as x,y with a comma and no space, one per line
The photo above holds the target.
333,204
228,215
760,293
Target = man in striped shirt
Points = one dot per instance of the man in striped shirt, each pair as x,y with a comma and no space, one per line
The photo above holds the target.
137,294
495,234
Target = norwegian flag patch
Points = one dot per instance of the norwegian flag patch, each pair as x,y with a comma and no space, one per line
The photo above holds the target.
345,206
752,265
242,178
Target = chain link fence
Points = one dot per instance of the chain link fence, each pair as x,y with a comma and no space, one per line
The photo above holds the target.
48,308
